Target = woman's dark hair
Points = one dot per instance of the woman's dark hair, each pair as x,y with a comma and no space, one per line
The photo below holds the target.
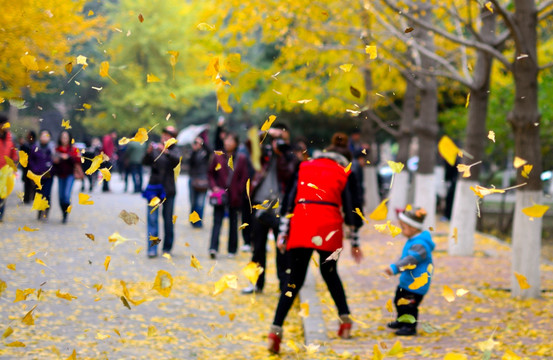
234,136
339,144
70,138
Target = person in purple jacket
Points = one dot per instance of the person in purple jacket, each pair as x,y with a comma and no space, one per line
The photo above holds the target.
228,177
40,163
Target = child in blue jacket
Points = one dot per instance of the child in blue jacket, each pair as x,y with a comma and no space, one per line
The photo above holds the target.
415,266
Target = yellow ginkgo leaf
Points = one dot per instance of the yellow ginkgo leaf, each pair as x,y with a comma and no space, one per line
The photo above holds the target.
154,202
23,158
489,6
170,142
396,166
403,301
522,281
526,169
396,348
467,102
487,345
419,281
177,169
292,345
26,228
390,306
7,333
106,262
243,226
267,124
151,78
377,354
226,281
81,60
252,272
40,262
195,263
7,181
106,175
358,212
448,150
380,212
535,211
95,164
461,292
518,162
116,239
347,168
304,310
372,51
141,137
66,296
84,199
21,295
394,230
29,62
11,267
491,135
230,163
104,71
163,283
127,295
28,318
36,178
448,294
194,217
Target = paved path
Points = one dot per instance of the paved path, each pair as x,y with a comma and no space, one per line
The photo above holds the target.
189,324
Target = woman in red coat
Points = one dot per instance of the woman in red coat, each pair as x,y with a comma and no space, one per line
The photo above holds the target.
324,195
66,157
7,149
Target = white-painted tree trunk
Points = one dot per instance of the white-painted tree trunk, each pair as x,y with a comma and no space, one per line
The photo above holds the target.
463,219
372,197
425,197
526,249
398,194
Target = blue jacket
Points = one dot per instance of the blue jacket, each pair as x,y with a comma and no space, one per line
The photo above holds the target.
416,252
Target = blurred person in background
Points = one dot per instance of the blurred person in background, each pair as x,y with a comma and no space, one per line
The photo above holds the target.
41,163
7,149
28,184
66,158
198,183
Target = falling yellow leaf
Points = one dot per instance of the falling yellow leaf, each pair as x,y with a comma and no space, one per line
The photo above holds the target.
396,166
467,103
104,71
226,281
243,226
151,78
177,169
448,150
21,295
518,162
170,142
87,106
358,212
7,332
380,212
66,296
489,6
526,170
195,263
106,175
127,295
396,348
84,199
95,164
29,62
346,67
141,137
487,345
36,178
23,158
81,60
481,191
403,301
372,51
174,220
194,217
535,211
163,283
448,294
252,272
377,354
491,135
28,318
267,124
69,208
304,310
106,262
419,281
461,292
390,306
11,267
40,262
205,27
7,181
155,201
522,281
116,239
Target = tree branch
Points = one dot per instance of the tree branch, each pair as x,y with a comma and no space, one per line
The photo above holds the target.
545,15
381,124
545,5
546,66
474,44
515,32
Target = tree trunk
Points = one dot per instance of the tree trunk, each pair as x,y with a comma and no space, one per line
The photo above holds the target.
426,127
524,120
463,220
400,187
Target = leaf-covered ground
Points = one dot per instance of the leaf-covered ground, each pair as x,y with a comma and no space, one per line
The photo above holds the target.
464,326
188,324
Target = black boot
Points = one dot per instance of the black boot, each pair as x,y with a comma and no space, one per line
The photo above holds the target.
64,213
39,216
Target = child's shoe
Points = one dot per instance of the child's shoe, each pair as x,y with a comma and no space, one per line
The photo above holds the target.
407,331
275,337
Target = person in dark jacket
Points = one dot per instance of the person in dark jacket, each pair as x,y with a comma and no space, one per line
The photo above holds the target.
278,164
198,184
28,184
322,198
161,186
41,163
227,174
65,158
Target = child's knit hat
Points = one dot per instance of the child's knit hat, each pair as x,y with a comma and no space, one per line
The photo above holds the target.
414,217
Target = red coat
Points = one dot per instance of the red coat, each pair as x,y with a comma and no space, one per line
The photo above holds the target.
317,221
7,148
